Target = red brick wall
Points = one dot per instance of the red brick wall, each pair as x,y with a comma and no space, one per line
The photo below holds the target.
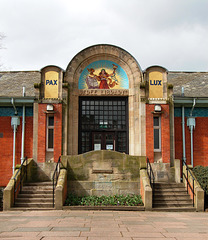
165,133
57,132
41,132
6,146
42,119
200,141
149,132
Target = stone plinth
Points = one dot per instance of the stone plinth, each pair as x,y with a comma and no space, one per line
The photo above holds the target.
104,173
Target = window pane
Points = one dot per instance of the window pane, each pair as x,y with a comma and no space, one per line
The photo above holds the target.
51,121
156,139
113,109
121,142
156,121
50,138
102,114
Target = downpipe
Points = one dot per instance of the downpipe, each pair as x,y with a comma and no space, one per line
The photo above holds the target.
23,129
14,147
191,124
14,124
192,146
191,132
183,134
23,134
15,110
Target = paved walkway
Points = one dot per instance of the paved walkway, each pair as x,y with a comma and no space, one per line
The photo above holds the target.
103,225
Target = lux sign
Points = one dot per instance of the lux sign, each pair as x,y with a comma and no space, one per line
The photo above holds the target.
156,82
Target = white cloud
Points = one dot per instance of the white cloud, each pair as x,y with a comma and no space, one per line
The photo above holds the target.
170,33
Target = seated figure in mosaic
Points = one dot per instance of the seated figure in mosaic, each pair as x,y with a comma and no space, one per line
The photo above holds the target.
91,79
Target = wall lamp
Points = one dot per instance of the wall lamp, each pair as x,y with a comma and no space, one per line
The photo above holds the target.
49,107
158,108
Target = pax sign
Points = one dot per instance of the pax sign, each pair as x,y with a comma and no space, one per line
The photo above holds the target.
155,85
51,84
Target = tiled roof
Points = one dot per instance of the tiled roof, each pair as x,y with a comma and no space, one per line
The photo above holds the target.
11,83
195,83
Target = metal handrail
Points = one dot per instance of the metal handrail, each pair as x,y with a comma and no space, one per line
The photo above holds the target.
151,177
188,171
22,174
55,178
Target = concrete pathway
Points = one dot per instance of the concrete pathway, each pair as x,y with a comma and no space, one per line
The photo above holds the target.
103,225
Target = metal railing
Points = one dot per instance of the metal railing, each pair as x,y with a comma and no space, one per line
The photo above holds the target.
186,177
55,178
151,177
23,173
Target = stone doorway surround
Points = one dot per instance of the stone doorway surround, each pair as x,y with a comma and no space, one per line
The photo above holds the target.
137,125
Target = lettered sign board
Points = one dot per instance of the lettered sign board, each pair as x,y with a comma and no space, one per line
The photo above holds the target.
155,85
51,84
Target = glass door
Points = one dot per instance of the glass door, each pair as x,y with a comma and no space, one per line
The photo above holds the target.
103,141
97,141
109,139
103,124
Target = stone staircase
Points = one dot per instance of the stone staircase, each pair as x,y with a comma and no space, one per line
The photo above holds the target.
35,196
172,197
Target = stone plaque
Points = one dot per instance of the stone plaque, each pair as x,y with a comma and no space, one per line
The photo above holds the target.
104,92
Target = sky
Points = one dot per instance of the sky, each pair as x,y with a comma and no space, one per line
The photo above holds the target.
169,33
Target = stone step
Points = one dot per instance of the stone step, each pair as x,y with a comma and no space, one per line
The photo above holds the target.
34,205
178,193
39,184
170,190
172,200
35,195
188,201
169,185
169,205
173,197
35,188
174,209
30,209
37,192
34,200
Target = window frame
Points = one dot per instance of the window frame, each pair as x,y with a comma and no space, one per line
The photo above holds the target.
159,135
47,132
87,127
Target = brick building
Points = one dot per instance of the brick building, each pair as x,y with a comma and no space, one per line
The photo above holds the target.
103,100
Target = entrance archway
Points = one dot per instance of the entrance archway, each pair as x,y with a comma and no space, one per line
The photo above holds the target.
136,108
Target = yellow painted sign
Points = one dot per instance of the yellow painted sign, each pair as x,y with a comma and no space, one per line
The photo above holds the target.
155,85
51,84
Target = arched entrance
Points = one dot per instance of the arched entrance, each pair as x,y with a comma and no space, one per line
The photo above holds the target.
104,110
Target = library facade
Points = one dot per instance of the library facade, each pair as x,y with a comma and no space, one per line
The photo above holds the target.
103,100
